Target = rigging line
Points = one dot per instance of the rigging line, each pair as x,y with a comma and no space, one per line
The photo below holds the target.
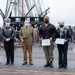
8,8
8,5
3,3
40,6
44,4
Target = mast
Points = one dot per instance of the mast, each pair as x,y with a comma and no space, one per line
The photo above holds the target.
22,8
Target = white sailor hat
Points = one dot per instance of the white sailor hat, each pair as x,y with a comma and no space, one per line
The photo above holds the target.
61,22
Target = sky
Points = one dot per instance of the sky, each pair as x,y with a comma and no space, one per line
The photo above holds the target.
60,10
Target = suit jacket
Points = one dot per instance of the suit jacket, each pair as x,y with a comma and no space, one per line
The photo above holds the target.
31,36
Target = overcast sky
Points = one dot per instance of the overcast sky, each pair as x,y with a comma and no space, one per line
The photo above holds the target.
60,10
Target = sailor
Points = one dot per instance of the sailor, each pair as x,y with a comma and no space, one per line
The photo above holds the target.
62,33
8,34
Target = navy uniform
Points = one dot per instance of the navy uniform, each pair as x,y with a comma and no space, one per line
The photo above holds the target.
8,34
62,32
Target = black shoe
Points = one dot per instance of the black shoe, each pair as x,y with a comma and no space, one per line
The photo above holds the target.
31,63
60,66
51,64
12,63
47,64
6,63
24,63
65,67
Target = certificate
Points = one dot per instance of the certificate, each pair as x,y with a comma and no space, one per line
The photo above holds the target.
46,42
60,41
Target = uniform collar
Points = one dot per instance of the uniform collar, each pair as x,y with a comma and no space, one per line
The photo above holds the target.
7,27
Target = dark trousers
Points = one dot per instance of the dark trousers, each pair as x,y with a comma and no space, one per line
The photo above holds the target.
9,49
62,51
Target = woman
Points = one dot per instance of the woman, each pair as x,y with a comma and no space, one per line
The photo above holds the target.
62,33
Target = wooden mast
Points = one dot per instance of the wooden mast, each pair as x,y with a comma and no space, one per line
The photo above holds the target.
22,8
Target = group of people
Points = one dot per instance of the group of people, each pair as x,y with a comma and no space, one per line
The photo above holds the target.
48,31
27,37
